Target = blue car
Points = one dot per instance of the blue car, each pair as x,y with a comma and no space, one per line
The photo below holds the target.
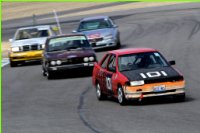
100,31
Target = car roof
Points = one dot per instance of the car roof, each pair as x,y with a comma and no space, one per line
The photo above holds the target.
38,27
132,51
94,17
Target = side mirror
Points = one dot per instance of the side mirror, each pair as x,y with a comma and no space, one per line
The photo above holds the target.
74,31
172,62
10,40
96,63
115,26
55,28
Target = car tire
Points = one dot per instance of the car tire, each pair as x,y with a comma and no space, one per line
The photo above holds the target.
179,98
49,75
13,64
44,73
121,98
118,44
99,94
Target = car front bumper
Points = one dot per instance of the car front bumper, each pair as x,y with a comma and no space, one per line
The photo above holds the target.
71,66
179,91
26,56
176,88
104,44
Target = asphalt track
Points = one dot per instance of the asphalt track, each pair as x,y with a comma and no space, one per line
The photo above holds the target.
67,104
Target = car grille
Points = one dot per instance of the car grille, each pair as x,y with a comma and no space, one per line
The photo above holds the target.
72,61
31,47
95,40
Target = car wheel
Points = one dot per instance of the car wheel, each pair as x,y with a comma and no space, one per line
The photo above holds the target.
179,98
13,64
121,98
44,73
118,44
99,94
49,74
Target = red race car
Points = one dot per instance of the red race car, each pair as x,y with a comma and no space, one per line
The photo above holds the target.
137,73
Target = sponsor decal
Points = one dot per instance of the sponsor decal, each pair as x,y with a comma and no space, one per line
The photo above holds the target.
108,83
153,74
93,36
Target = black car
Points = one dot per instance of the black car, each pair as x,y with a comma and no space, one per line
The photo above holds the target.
67,52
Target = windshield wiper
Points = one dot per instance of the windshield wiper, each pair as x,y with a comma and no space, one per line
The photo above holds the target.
71,48
56,50
127,69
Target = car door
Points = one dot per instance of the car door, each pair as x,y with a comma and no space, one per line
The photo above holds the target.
110,75
102,72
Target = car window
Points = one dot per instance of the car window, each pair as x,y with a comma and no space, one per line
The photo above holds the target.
67,43
104,62
112,63
31,33
141,61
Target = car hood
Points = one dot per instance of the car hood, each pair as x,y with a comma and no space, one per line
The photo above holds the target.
102,32
31,41
153,75
70,54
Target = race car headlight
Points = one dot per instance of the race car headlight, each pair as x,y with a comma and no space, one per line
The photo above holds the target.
58,62
136,83
15,49
91,58
86,59
43,46
108,37
53,63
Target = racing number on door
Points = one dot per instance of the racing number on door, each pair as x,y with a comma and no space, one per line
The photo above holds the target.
108,83
153,74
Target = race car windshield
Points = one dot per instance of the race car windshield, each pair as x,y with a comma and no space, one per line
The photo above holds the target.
141,61
94,25
31,33
67,43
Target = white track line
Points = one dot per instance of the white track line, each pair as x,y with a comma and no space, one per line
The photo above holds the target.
4,61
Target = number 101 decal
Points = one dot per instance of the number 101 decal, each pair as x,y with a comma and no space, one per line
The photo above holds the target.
108,83
153,74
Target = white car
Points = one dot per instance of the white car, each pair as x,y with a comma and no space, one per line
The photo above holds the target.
28,43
